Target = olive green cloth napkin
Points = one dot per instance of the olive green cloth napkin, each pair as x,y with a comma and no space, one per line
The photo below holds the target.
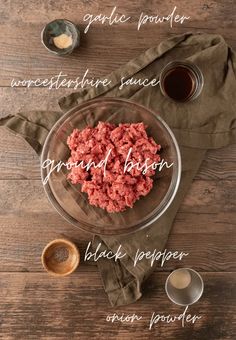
205,123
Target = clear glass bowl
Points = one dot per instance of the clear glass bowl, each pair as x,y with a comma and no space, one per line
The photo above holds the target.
73,205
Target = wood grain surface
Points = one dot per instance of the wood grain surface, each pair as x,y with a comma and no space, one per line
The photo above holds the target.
34,305
104,47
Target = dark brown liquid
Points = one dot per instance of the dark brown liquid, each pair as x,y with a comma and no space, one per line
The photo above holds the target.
179,83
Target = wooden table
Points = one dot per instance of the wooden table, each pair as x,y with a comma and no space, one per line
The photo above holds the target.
34,305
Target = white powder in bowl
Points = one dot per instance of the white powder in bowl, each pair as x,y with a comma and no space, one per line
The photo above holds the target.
62,41
180,279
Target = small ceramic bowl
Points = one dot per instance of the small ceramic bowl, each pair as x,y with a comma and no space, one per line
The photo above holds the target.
60,36
60,257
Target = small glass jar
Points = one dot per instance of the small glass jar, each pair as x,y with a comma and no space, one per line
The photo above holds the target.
185,81
184,286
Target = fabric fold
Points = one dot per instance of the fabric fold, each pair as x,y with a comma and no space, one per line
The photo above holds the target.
32,126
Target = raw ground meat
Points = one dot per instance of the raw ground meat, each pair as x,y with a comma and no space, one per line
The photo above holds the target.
112,189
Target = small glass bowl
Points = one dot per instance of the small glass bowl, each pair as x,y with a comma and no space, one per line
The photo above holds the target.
196,75
68,199
187,294
54,29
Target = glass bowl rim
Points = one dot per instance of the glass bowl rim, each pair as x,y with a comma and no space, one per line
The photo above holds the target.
135,227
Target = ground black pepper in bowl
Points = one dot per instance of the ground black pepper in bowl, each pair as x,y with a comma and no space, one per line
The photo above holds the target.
60,257
60,254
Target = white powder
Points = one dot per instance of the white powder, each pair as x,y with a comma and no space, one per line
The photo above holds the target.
180,279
